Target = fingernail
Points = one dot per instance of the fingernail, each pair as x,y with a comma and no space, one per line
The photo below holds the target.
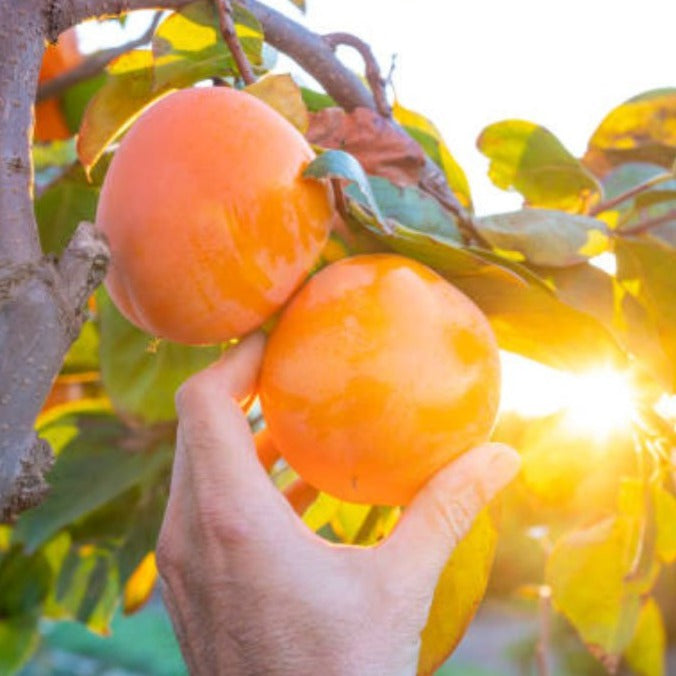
503,465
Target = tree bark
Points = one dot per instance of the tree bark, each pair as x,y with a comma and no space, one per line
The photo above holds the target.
41,300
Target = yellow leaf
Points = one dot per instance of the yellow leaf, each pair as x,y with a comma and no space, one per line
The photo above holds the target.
645,653
530,159
460,589
126,94
597,242
665,515
283,94
432,142
587,572
140,584
649,121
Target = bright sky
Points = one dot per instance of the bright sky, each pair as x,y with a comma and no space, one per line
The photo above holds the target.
467,64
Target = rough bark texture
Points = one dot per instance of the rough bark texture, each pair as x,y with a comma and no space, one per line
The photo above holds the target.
42,300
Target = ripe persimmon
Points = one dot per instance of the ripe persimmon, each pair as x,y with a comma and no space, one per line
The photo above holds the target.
50,123
378,373
210,223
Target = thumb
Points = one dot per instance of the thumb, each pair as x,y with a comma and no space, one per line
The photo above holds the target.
443,511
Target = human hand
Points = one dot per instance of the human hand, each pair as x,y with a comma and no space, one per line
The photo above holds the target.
251,590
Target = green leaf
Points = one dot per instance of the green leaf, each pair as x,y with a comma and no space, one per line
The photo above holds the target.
339,164
189,46
25,581
101,596
646,269
459,591
101,462
75,99
410,206
142,536
526,315
641,130
545,237
531,160
316,101
54,154
87,589
645,655
83,354
431,141
140,380
63,205
19,638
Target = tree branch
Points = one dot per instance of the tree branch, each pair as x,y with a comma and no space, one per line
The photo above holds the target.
373,76
225,17
42,307
21,48
93,64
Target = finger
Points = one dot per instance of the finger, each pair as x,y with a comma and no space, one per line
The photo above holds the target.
234,375
266,449
443,512
215,451
300,495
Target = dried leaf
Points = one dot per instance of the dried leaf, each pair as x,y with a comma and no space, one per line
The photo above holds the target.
381,148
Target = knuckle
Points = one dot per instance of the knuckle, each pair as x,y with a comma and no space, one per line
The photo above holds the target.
226,527
167,557
187,394
454,515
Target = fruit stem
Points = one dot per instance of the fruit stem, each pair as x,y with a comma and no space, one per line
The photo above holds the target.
225,16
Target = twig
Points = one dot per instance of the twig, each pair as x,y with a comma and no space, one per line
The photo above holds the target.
648,224
93,64
225,16
373,76
632,192
542,648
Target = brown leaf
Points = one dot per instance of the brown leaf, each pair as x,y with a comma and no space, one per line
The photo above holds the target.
381,148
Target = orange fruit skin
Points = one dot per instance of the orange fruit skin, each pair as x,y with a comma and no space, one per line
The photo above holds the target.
378,373
50,124
210,223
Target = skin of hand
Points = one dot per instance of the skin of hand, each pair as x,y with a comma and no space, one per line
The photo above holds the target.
251,590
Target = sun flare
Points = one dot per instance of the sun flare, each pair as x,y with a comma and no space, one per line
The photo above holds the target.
598,402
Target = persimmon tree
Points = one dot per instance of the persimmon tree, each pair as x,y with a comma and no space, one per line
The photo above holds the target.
78,382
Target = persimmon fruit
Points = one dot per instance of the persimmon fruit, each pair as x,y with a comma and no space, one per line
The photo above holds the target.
50,123
210,222
378,373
